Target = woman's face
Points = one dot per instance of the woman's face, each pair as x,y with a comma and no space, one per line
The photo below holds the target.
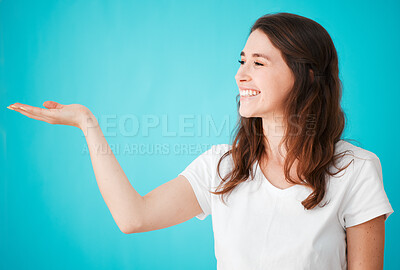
270,77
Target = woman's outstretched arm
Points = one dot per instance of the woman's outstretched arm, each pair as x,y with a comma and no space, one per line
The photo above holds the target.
124,202
170,204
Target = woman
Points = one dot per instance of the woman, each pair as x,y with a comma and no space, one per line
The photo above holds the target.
288,193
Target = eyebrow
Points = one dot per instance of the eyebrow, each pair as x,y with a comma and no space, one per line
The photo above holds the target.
256,55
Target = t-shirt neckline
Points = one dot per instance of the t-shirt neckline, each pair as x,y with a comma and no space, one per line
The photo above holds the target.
260,176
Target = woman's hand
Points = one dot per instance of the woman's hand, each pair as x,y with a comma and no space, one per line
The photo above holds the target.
57,114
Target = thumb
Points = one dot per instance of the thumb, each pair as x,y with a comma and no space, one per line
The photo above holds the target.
52,105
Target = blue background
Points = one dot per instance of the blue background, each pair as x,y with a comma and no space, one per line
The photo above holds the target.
156,59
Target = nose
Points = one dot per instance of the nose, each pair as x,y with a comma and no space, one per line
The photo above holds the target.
242,74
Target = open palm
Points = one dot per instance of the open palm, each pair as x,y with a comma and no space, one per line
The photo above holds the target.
56,113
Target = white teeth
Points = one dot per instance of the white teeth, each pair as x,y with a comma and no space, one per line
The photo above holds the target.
245,93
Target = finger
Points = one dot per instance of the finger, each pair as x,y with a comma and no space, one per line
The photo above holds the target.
30,115
52,105
33,110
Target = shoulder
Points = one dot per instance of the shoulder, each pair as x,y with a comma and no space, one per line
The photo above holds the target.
216,152
220,149
360,192
213,153
362,171
216,155
355,165
357,151
355,154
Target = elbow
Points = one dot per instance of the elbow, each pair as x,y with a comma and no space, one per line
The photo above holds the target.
125,230
129,229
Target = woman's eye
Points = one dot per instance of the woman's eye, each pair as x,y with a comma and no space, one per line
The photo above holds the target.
257,63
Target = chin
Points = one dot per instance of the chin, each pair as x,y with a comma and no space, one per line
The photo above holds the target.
247,114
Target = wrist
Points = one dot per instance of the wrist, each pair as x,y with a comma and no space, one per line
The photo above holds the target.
88,121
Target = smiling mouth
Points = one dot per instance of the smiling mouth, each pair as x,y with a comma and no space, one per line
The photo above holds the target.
249,93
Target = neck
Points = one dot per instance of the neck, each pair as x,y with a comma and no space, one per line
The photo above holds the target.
274,131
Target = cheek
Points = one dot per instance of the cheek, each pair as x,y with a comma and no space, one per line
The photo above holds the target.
272,97
282,83
286,79
275,88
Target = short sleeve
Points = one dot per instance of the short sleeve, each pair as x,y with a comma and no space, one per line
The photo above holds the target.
366,198
199,173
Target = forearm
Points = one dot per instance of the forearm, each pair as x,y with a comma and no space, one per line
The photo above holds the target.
124,202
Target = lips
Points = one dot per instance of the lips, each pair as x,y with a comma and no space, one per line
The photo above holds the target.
248,88
249,93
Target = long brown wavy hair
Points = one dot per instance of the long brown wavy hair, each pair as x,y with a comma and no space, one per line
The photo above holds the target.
312,110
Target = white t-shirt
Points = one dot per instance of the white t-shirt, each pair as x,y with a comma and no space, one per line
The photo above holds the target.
264,227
